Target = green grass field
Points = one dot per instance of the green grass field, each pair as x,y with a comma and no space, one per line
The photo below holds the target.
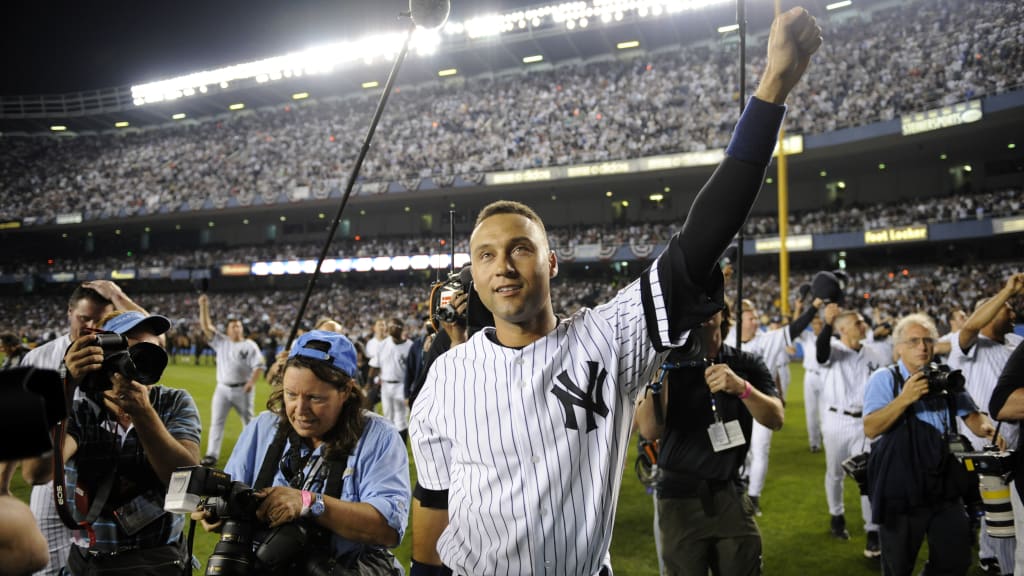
795,524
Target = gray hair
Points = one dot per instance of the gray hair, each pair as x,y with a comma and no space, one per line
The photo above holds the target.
922,320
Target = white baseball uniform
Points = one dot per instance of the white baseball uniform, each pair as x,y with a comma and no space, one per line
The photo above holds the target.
236,361
770,346
981,366
49,356
812,388
393,359
531,442
845,378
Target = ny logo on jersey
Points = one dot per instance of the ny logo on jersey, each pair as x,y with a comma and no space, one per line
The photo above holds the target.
243,354
571,395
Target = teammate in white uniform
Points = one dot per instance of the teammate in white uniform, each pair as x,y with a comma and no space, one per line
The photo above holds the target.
771,347
521,432
380,334
813,383
89,303
982,348
393,357
847,363
239,365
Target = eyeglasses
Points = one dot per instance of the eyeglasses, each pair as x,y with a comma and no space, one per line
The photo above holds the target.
915,342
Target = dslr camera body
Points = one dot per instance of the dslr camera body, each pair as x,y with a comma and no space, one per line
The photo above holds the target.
143,362
942,380
198,487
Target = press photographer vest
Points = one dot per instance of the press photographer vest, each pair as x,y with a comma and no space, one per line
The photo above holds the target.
911,465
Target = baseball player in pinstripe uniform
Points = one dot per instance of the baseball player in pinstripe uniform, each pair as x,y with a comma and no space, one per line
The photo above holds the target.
981,350
520,434
393,357
812,383
847,363
771,347
239,365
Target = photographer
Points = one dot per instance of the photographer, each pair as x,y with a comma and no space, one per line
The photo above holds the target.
916,482
318,408
87,306
122,445
705,518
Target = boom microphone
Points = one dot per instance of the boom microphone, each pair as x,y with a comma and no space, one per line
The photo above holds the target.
430,14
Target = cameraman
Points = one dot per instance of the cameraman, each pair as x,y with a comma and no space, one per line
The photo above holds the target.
705,518
916,482
341,468
88,305
122,445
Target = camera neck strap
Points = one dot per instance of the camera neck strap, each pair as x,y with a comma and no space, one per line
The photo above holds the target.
60,501
272,459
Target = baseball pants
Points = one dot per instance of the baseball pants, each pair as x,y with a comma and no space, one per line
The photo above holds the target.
224,399
392,399
757,460
812,407
843,437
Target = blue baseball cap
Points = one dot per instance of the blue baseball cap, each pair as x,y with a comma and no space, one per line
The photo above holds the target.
340,352
128,321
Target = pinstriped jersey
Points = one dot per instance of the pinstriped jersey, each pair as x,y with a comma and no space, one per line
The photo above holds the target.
846,375
530,443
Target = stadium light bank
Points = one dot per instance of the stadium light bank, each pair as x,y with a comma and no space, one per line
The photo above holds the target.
330,57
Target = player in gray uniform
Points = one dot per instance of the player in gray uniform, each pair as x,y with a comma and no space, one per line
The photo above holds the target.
239,365
89,303
982,348
520,434
847,363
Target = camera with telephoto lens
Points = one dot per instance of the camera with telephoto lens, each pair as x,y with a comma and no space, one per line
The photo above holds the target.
942,380
197,487
995,471
143,362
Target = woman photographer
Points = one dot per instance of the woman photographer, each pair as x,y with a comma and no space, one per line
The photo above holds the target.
343,470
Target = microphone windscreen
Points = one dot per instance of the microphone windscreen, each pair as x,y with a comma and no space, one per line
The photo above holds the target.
466,275
430,14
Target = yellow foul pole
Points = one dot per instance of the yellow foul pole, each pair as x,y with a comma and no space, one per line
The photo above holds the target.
783,216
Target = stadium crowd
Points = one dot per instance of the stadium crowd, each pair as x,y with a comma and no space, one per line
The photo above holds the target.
951,50
875,216
878,293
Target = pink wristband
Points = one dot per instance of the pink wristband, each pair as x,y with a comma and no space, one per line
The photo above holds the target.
746,390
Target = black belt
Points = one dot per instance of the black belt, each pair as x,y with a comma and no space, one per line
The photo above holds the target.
392,381
239,384
845,413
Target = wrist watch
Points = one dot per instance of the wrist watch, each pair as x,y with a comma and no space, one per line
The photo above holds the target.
312,504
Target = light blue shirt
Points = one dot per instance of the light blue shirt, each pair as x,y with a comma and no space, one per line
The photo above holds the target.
930,409
376,473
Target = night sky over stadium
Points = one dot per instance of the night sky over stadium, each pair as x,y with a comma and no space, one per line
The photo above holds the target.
54,46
